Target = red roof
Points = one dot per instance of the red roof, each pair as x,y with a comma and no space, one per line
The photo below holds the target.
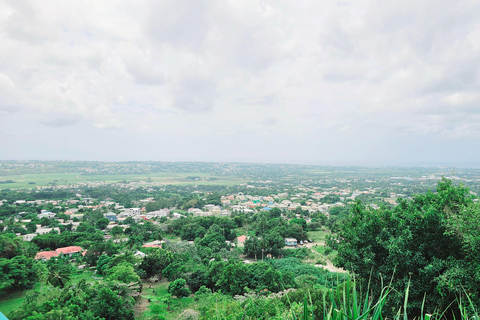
68,250
46,255
151,246
242,238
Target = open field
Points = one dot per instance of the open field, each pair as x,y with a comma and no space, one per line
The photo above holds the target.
48,179
318,237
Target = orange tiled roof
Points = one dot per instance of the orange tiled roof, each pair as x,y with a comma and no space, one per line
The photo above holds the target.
68,250
46,255
242,238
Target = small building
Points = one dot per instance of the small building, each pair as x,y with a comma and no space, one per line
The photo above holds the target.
111,216
29,236
241,240
46,214
290,241
46,255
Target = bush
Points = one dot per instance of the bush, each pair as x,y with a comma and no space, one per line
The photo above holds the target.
178,288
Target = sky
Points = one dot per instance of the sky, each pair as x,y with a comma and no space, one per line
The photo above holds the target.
312,82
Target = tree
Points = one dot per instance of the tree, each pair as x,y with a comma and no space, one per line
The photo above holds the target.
102,223
178,288
108,305
102,264
58,273
252,247
10,245
234,278
156,261
123,272
116,231
275,213
410,243
18,272
31,227
197,278
300,222
214,241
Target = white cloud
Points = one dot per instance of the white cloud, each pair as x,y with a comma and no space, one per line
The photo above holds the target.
347,75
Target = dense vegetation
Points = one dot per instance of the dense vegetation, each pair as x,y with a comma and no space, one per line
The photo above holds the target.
430,243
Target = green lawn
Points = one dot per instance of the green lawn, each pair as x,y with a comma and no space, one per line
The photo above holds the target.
172,237
10,301
318,236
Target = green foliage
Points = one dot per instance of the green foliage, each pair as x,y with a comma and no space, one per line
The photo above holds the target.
123,272
10,245
108,305
57,273
102,223
77,302
18,272
292,268
299,253
156,261
102,264
419,241
178,288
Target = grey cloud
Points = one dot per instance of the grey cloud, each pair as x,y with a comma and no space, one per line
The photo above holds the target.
195,95
455,78
180,23
8,108
59,120
270,121
27,24
145,74
257,49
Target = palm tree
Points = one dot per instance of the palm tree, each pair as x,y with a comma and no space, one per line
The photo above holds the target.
58,274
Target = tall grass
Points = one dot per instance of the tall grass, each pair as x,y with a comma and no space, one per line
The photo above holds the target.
348,305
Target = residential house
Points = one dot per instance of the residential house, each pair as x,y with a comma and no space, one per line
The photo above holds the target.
241,240
71,250
112,216
46,230
290,242
46,214
29,236
47,255
225,213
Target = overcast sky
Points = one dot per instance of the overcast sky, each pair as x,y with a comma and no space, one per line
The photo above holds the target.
319,82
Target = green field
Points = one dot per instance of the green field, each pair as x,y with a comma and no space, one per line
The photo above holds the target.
11,301
48,179
318,237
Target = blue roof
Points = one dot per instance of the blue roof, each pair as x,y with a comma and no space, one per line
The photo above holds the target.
267,208
2,316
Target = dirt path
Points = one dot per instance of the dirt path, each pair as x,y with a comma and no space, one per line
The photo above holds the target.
330,267
141,305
